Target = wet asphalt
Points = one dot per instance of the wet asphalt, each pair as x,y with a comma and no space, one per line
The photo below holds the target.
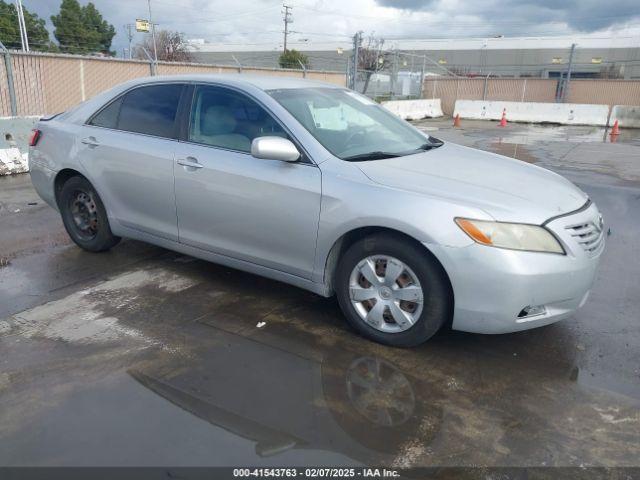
141,356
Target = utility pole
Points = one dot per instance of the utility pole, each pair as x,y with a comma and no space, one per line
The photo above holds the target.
568,79
153,34
23,27
130,27
286,17
394,72
424,67
357,38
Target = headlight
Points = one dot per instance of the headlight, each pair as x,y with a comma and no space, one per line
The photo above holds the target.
516,236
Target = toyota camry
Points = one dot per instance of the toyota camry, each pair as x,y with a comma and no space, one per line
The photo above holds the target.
319,187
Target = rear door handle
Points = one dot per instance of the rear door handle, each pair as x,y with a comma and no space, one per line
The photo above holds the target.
190,162
91,141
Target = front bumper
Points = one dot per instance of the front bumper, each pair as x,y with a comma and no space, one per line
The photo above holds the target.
492,286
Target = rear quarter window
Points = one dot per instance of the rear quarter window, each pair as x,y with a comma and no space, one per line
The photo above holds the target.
108,116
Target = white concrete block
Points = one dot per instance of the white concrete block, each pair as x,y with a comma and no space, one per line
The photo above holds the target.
415,109
628,116
532,112
12,161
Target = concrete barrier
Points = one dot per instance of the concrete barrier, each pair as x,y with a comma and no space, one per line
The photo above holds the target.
628,116
530,112
12,161
15,131
14,143
415,109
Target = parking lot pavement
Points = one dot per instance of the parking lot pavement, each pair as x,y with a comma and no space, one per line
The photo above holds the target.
141,356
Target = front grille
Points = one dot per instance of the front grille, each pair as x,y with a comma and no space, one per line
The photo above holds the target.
588,235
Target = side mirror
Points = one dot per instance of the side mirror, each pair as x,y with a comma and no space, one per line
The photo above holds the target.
274,148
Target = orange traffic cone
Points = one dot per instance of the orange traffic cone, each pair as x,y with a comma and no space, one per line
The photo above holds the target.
503,120
615,130
456,120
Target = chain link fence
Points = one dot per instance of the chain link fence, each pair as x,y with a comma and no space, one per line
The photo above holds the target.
39,84
389,75
545,75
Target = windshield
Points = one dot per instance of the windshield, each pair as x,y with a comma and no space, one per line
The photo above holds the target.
351,126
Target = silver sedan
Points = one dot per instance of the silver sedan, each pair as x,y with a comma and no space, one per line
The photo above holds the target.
319,187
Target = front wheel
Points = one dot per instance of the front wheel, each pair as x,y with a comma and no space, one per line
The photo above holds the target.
84,216
393,291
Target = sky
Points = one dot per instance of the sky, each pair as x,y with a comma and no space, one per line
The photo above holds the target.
319,23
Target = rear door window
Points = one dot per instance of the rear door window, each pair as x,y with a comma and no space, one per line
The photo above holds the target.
150,110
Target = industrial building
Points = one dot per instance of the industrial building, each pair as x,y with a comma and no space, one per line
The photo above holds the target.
543,57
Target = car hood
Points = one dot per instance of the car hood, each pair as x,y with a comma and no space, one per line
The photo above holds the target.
507,189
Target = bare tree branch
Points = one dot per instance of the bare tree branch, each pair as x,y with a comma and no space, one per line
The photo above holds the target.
371,59
171,47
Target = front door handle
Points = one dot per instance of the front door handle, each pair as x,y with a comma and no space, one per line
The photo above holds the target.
91,141
190,162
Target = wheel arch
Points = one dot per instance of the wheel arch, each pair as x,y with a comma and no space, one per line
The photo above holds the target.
349,238
61,178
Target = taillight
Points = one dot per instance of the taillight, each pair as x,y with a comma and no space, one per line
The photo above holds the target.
35,136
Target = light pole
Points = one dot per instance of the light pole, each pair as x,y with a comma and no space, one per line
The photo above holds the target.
356,47
568,79
23,27
153,33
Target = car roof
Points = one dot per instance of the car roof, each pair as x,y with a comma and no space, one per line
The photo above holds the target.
263,82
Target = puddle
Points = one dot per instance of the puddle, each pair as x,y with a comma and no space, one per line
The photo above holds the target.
530,134
303,387
513,150
571,134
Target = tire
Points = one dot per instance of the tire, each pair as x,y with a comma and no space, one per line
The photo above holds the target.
419,320
84,216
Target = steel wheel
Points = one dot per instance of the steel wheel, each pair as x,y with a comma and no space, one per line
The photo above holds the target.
386,293
84,213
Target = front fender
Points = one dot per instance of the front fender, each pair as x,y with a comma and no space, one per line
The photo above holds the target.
351,201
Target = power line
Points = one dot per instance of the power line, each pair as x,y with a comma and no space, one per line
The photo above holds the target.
457,22
221,18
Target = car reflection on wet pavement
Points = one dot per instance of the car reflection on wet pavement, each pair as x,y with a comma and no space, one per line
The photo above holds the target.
145,357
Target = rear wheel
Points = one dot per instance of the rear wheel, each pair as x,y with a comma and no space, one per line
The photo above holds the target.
84,216
392,290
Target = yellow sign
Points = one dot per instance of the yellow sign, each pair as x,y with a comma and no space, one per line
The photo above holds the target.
596,60
556,60
442,61
142,25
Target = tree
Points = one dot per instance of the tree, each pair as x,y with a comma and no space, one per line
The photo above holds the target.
292,59
82,29
371,59
170,45
10,31
101,30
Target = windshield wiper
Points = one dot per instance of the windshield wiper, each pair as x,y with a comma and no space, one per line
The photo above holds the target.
430,145
377,155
